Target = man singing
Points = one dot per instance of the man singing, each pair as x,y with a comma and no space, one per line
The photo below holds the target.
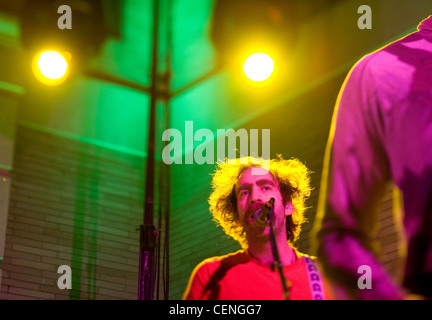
248,202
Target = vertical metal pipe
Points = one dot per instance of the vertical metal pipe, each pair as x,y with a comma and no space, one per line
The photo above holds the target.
147,230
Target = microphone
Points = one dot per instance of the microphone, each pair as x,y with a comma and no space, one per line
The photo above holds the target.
261,216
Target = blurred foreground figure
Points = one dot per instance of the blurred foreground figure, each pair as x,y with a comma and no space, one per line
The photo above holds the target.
381,133
241,190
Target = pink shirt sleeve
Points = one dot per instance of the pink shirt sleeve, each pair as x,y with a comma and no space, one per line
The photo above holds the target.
357,168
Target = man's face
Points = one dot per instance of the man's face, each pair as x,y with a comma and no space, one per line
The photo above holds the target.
253,191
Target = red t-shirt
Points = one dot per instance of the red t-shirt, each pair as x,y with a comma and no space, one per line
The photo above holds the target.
238,276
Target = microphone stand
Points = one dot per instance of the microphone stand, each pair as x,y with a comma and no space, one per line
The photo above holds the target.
277,264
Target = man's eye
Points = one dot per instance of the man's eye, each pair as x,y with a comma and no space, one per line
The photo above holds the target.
244,193
267,188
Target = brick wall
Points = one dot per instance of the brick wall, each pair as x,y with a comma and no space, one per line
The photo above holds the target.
72,204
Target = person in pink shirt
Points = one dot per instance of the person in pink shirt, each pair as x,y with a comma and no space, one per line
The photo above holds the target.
381,133
240,191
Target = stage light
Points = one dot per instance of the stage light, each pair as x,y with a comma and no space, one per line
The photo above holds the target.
41,30
258,67
51,67
52,64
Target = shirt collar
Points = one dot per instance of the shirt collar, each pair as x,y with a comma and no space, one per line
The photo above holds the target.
426,24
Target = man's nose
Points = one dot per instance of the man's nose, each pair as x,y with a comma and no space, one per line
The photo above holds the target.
256,196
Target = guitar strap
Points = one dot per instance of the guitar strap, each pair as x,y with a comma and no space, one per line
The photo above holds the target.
315,278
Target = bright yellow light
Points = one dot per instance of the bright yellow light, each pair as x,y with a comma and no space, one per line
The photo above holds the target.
50,67
258,67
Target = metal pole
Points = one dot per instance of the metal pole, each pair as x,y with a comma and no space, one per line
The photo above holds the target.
148,230
277,264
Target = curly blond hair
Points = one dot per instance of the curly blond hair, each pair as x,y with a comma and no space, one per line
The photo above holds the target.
294,181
